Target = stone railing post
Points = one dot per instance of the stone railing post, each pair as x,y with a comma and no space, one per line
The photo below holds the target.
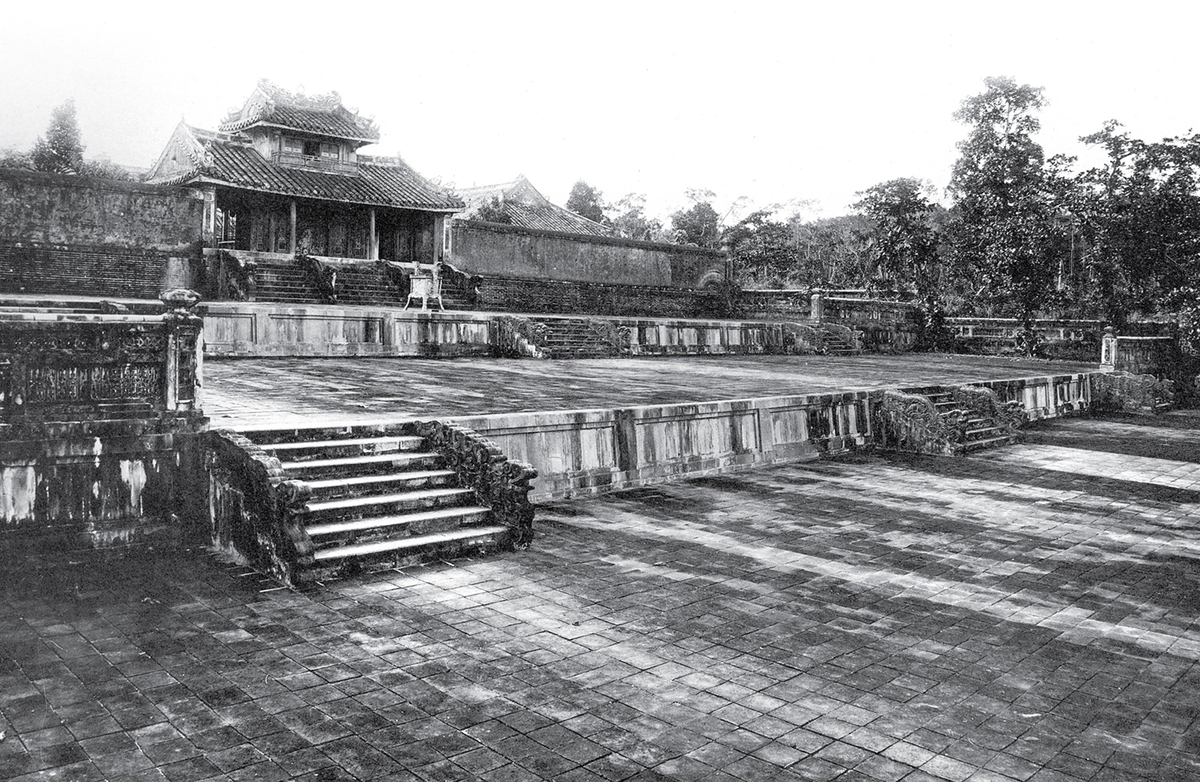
184,350
1108,350
816,312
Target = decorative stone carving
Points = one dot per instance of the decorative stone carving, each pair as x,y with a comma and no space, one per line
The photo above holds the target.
800,339
322,276
984,403
236,276
1125,392
911,422
499,483
520,338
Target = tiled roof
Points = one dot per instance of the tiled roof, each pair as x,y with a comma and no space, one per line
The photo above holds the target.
394,184
528,208
321,115
322,123
553,218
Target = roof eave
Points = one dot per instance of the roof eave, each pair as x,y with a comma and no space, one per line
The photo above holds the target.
263,124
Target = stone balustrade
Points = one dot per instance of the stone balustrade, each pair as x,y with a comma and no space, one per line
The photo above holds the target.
99,417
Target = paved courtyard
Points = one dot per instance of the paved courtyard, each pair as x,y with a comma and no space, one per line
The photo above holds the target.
287,391
1024,614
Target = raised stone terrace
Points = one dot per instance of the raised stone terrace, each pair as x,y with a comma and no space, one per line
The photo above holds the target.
296,392
1030,614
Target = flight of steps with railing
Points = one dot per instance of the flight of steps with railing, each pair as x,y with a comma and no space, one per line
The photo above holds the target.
835,342
976,430
575,338
368,497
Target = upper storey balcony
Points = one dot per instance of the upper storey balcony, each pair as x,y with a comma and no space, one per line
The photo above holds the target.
315,163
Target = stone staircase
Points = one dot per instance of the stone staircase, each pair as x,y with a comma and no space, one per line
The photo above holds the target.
976,431
364,284
574,338
945,421
837,342
368,497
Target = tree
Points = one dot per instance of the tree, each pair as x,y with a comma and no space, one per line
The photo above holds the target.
905,244
1138,221
586,201
762,250
700,225
628,218
61,151
1007,230
492,212
13,158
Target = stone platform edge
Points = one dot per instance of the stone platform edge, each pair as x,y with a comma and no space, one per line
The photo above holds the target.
263,330
583,452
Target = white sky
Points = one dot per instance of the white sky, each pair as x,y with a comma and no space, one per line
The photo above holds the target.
772,101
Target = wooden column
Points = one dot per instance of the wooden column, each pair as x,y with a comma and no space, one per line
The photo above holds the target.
292,241
373,252
439,226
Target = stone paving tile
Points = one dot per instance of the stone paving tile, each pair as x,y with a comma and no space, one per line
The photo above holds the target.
283,391
1025,614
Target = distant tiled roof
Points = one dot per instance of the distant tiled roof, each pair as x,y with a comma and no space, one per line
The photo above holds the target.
528,208
553,218
321,115
221,159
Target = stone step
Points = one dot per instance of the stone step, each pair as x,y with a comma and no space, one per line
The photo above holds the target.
460,516
480,535
292,451
327,488
361,465
387,503
992,442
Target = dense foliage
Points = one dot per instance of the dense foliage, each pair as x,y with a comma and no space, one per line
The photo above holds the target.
60,151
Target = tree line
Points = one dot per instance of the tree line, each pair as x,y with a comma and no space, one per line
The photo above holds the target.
1025,234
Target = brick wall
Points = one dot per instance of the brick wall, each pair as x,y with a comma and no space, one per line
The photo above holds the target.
82,270
507,294
492,249
73,235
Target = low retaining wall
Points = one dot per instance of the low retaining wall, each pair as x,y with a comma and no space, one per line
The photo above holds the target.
257,329
1063,339
242,329
592,451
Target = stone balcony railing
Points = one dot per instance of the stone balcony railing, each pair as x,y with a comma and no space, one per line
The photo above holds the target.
58,365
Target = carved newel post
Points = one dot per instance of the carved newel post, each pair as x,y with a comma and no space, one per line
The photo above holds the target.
817,313
1108,349
184,349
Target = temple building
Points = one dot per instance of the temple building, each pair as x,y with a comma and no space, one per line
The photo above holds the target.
284,175
519,203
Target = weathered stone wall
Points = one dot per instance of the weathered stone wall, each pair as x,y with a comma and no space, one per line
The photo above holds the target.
775,304
592,451
71,235
492,249
99,430
560,297
246,329
1066,339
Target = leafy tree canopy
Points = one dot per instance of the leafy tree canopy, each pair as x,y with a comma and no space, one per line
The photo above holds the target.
700,225
586,201
60,151
492,211
628,218
1006,233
